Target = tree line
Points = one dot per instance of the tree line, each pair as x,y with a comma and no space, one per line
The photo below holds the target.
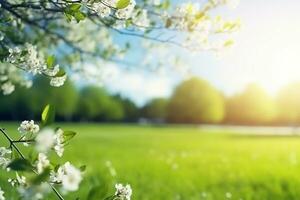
193,101
197,101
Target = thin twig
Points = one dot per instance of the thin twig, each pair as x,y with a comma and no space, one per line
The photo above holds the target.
12,144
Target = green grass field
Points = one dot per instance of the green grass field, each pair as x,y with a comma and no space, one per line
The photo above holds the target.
173,163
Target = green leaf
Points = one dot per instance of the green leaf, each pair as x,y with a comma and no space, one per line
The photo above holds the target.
41,177
74,7
20,164
56,167
50,61
122,4
48,115
68,17
79,16
82,168
68,135
60,73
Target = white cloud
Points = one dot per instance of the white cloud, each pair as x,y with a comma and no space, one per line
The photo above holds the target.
139,85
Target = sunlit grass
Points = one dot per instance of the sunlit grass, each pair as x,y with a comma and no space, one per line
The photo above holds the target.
183,163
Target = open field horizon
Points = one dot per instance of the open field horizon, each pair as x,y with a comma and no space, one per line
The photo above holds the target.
180,162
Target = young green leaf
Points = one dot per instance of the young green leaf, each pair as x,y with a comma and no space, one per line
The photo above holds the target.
79,16
48,115
68,17
50,61
68,135
20,164
122,4
74,7
60,73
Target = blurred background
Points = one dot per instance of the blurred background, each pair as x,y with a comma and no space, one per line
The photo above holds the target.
255,82
226,129
192,101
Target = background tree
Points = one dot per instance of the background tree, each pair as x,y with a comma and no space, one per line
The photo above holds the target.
130,109
155,109
64,99
96,104
16,106
196,101
288,102
252,106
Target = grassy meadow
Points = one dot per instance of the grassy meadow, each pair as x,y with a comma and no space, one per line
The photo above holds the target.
177,162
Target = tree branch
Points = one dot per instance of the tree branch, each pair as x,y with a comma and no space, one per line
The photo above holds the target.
11,141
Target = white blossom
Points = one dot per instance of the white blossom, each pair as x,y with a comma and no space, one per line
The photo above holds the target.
7,88
4,157
2,195
42,162
45,140
18,181
51,71
101,9
58,81
68,176
21,179
119,24
4,151
124,192
28,127
27,58
34,192
111,3
140,18
59,149
59,140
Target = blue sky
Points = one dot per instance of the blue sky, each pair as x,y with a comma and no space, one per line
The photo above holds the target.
266,52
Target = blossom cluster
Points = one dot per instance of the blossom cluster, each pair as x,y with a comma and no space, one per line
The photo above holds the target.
189,25
108,8
26,58
47,176
44,140
200,26
5,155
68,175
123,192
28,127
49,139
9,77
